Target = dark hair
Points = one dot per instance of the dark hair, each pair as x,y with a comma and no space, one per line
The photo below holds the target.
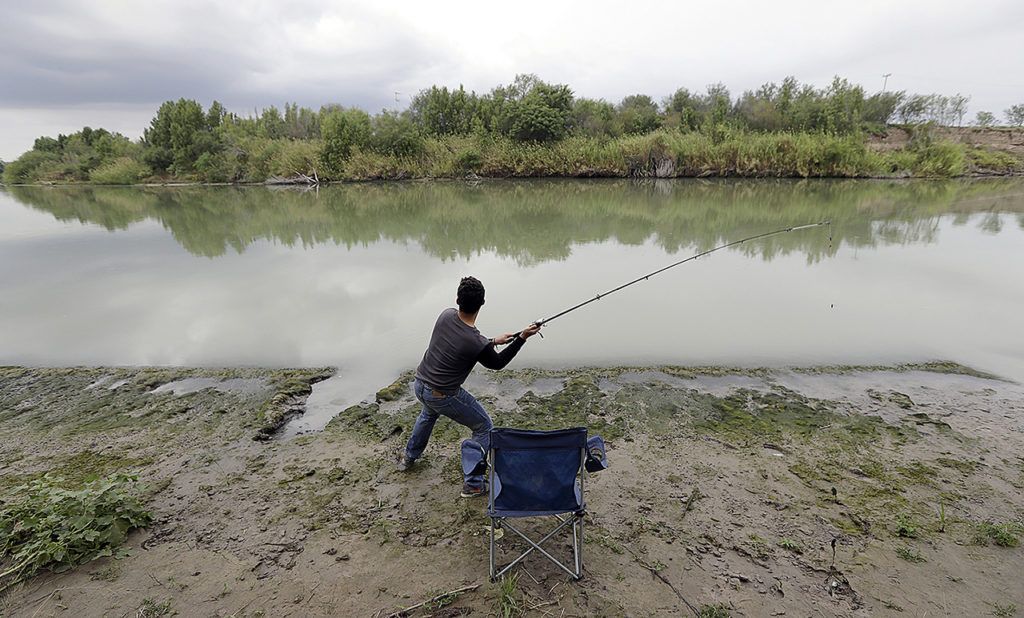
471,295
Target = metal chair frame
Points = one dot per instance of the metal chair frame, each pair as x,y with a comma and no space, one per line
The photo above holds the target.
572,518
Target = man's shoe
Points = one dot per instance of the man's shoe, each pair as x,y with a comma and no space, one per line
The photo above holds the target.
404,463
468,491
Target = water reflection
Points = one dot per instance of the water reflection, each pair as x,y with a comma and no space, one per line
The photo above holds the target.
354,275
535,221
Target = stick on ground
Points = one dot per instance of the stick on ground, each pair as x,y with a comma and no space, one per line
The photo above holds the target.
455,592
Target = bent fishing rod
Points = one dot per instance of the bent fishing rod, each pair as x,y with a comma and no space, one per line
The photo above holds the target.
680,262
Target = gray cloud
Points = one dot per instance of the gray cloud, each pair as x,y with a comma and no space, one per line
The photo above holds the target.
159,51
64,58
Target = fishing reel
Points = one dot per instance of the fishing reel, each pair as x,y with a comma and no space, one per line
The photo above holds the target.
535,323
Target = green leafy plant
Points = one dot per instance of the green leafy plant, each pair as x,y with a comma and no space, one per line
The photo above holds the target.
906,528
45,525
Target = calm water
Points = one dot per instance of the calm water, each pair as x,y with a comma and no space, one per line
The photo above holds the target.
354,276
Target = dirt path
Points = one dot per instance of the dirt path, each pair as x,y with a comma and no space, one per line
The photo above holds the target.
719,496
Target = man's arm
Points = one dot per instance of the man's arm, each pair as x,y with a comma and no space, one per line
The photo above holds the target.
498,360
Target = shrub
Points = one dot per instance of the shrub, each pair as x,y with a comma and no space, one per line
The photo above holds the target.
44,525
215,167
26,168
342,130
940,159
291,157
469,160
120,171
395,134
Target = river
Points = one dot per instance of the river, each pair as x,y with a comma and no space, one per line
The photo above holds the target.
354,275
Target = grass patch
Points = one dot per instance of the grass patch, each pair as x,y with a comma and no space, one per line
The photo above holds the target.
791,546
919,473
151,609
509,602
1003,535
910,554
718,610
1004,611
964,466
993,161
759,547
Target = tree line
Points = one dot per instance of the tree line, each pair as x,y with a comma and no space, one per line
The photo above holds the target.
185,141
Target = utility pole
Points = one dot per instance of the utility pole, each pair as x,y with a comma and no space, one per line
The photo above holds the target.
885,82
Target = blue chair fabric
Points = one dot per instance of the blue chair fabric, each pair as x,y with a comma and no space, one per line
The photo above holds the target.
535,472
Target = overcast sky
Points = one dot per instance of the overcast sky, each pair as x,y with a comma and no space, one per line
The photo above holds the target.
66,63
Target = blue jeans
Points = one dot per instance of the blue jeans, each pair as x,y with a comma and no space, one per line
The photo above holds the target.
462,408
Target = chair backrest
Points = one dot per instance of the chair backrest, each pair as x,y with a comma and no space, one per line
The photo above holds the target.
535,472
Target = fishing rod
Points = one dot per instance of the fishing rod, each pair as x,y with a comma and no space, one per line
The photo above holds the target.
674,264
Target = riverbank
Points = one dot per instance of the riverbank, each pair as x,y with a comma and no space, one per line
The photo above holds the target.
720,493
726,152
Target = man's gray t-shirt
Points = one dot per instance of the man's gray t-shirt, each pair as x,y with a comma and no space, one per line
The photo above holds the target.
452,353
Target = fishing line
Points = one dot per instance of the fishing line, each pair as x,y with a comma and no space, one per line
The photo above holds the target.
734,243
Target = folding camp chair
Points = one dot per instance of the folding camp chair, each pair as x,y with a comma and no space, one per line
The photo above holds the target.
538,474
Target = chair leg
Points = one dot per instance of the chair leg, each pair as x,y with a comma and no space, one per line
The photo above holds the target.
492,550
579,568
576,542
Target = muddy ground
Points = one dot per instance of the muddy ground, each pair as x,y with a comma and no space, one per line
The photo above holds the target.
725,492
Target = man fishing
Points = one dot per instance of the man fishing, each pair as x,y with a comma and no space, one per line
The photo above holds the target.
456,346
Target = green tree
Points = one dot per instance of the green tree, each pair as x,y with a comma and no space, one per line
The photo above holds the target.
985,119
439,111
844,104
543,114
342,130
300,122
761,109
46,144
215,115
271,124
958,108
1015,115
881,107
638,113
682,109
396,134
716,104
594,118
177,137
914,109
